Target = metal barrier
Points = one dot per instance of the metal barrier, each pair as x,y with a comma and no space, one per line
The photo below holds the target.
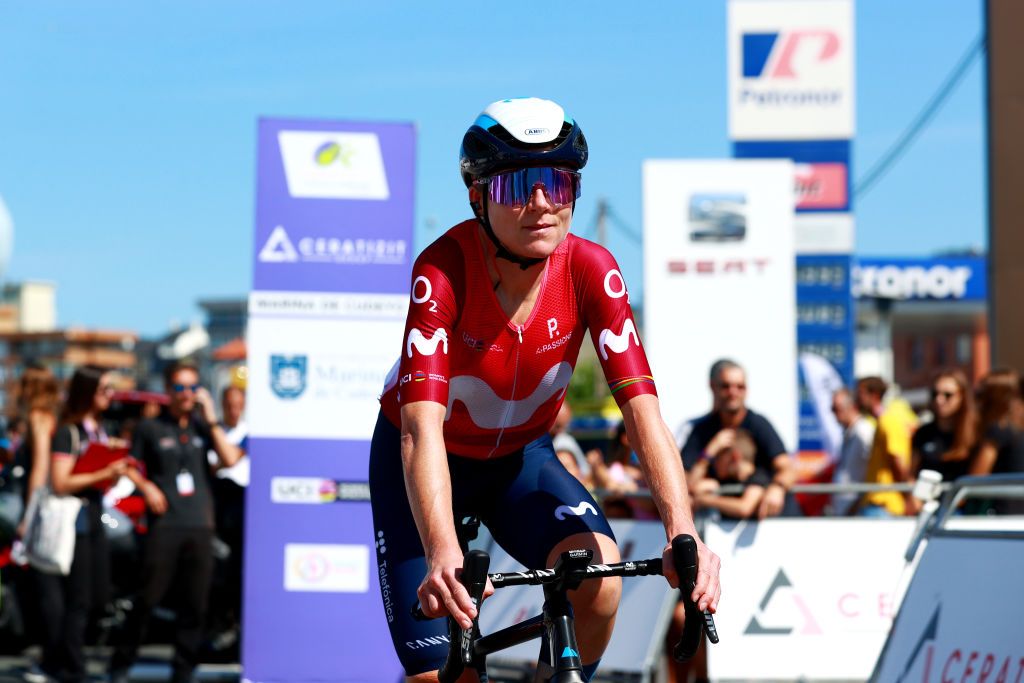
960,607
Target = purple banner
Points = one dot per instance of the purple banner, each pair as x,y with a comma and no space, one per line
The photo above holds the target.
312,599
334,209
334,214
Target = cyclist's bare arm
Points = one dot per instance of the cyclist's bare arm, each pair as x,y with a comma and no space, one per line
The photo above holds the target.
655,446
428,484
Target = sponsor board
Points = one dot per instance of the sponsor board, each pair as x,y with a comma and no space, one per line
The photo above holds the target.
961,279
319,377
333,165
314,490
790,65
326,568
280,247
818,611
328,305
741,280
939,635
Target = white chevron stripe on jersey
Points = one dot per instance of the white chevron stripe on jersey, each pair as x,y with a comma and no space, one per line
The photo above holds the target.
490,411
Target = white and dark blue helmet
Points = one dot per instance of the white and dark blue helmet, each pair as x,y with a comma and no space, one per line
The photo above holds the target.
520,133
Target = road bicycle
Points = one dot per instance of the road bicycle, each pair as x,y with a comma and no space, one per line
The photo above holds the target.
555,626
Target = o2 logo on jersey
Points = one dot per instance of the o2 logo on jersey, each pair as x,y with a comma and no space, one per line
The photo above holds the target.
614,285
423,285
288,375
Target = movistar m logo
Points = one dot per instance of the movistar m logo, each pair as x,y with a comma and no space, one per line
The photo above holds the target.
562,511
426,345
617,342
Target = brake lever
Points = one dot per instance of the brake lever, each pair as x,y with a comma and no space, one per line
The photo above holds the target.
684,556
460,641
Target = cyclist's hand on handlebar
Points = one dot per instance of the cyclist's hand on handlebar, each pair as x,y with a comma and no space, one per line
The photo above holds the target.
442,593
707,590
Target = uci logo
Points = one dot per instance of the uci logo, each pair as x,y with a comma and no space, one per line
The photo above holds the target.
535,131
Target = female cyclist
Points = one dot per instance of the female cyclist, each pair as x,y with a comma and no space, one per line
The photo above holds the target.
499,308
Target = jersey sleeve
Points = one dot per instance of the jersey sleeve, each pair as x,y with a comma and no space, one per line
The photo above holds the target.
605,308
433,313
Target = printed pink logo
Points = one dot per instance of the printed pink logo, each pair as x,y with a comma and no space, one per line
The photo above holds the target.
821,186
779,55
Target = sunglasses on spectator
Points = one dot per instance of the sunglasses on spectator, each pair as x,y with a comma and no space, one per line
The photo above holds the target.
732,385
179,388
106,389
514,188
944,394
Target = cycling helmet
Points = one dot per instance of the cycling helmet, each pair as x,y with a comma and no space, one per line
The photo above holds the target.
518,133
521,132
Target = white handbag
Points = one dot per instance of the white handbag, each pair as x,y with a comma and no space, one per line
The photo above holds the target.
50,531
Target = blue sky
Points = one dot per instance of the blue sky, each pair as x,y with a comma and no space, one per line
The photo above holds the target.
128,130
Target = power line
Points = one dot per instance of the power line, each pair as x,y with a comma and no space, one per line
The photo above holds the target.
623,226
898,148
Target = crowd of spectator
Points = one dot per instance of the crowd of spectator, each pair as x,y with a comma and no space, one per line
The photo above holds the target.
184,467
737,466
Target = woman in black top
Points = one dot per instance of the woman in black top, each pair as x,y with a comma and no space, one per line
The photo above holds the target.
68,600
1002,432
946,444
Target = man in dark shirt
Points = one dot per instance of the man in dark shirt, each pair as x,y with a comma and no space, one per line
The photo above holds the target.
716,431
173,447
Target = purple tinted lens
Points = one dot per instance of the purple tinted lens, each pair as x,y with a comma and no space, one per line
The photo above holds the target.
514,188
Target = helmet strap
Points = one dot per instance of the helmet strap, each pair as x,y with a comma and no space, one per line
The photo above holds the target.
502,251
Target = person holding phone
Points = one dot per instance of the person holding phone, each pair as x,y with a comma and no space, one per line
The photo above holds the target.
178,493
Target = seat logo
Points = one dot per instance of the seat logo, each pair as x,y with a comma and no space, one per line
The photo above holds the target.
535,131
563,511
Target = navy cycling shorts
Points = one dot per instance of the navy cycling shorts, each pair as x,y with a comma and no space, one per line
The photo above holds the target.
527,500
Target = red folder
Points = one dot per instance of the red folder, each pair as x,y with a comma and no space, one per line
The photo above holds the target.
97,456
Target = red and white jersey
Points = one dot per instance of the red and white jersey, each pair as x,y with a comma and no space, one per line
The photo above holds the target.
503,383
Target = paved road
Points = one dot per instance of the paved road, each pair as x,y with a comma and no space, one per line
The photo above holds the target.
153,665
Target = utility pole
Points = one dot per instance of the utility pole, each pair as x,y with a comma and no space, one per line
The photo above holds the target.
602,221
1005,178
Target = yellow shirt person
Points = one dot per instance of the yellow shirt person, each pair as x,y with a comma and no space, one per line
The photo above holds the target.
895,428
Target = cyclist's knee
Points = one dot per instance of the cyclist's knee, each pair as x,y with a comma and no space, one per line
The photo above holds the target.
598,599
595,598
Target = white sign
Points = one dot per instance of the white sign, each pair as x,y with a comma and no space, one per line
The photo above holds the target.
333,165
324,568
320,378
824,233
719,282
790,68
941,634
805,599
